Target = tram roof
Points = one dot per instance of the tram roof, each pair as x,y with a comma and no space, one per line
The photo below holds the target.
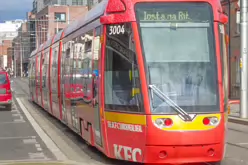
94,13
33,52
40,47
48,43
69,29
58,36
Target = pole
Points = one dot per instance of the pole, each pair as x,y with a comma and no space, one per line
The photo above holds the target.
229,48
21,58
243,60
15,66
68,15
57,23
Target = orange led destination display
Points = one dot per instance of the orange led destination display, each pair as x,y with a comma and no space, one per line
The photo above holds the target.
174,13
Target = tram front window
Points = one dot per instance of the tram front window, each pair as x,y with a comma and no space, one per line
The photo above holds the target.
178,45
122,84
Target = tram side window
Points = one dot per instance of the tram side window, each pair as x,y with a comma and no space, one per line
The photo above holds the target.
80,70
54,69
33,72
43,71
87,65
67,75
122,82
73,63
38,71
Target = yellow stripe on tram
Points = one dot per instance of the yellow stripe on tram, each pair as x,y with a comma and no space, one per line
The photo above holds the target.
125,118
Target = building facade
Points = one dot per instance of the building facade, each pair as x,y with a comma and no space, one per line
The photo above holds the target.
5,56
52,19
38,5
232,8
21,46
65,2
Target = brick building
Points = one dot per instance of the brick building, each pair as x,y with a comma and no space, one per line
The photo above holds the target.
234,56
6,54
52,19
21,46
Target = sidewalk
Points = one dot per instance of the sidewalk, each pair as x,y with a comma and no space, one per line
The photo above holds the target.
234,116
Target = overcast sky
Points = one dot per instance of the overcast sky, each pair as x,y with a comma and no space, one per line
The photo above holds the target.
14,9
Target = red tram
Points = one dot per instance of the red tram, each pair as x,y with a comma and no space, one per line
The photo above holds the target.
141,80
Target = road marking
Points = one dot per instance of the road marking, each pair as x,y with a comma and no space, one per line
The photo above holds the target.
14,122
37,155
19,121
14,111
29,141
46,139
16,115
6,138
242,143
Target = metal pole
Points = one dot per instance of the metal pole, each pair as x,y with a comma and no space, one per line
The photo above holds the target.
57,27
243,60
229,48
21,58
15,66
68,15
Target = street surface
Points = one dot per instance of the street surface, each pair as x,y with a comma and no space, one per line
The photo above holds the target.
29,134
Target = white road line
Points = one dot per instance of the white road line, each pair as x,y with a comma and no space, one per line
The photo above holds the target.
6,138
13,122
29,141
46,139
15,114
26,160
14,111
18,121
242,143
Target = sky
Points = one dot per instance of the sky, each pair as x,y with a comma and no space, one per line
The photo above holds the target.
14,9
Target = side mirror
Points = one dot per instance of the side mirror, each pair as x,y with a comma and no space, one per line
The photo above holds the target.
223,18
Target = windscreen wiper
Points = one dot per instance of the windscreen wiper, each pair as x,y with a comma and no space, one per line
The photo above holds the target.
178,109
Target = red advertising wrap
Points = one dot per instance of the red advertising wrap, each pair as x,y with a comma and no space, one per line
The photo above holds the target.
140,80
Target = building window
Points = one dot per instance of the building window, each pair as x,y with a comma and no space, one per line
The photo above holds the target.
63,2
79,2
61,17
237,22
74,2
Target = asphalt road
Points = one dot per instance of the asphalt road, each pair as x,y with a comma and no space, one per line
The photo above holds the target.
18,140
21,142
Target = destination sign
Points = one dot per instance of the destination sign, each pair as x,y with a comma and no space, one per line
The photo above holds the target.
174,14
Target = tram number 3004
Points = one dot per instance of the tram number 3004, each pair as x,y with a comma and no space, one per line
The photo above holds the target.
116,29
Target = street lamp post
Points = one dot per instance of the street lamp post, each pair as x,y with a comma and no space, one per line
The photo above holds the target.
21,54
243,60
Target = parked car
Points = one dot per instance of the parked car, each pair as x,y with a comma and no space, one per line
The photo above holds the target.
5,90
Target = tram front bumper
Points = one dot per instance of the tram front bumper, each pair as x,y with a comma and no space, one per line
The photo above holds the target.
184,154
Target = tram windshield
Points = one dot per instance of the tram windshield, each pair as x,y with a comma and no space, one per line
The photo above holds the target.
178,46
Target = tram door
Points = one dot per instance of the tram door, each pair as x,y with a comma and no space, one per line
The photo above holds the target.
96,85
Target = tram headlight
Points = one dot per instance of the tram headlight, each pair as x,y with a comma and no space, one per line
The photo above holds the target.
212,121
163,122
